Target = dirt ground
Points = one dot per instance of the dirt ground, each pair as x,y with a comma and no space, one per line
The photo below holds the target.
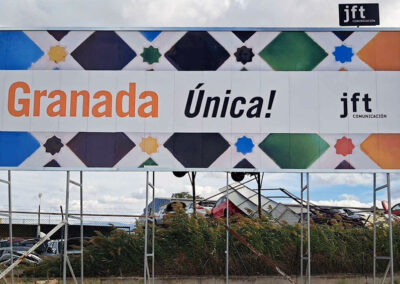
334,279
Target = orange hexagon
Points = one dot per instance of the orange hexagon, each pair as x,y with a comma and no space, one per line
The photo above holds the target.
57,53
149,145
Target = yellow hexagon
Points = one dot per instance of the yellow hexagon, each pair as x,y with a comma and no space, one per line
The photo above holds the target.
149,145
57,53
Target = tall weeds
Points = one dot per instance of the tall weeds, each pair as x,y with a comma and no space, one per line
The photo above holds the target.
196,246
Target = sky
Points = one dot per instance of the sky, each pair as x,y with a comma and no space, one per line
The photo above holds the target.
124,193
188,13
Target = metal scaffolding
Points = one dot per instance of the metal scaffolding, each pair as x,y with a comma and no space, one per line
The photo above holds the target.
149,276
9,215
227,230
307,258
66,218
146,272
390,257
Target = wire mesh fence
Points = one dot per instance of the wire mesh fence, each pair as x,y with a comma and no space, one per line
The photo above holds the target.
31,224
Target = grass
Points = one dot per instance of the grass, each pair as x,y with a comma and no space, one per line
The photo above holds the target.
196,246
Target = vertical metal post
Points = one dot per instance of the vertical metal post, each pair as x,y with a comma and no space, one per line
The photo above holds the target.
374,230
81,218
65,256
390,228
10,225
301,230
153,230
227,231
304,187
38,227
376,257
146,223
193,182
308,232
258,179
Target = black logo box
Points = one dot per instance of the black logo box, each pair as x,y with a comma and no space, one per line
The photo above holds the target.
370,11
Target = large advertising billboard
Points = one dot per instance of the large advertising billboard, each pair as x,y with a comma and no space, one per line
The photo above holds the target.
179,100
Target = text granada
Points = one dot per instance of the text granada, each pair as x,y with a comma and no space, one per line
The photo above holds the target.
22,101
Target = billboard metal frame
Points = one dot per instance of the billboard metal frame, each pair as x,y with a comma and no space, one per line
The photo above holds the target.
281,29
149,276
304,178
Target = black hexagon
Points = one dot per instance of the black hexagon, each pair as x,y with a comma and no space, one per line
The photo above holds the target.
100,149
244,54
53,145
196,150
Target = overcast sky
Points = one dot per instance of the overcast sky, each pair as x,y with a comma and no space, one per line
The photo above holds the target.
189,13
124,192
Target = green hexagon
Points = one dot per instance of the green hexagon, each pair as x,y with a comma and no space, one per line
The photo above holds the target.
294,150
293,51
150,54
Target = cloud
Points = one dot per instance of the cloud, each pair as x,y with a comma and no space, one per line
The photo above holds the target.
349,197
343,203
192,13
341,179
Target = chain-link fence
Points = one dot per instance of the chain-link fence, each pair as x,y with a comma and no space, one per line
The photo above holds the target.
28,225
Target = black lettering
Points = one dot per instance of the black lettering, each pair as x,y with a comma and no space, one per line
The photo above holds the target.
233,107
366,101
208,105
344,100
225,104
255,110
198,103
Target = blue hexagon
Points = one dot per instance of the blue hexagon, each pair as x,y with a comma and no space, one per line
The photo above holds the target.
343,53
16,147
17,51
244,145
150,35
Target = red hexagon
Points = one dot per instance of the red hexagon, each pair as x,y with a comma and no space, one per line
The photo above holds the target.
344,146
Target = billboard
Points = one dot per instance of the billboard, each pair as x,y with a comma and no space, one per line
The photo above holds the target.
179,100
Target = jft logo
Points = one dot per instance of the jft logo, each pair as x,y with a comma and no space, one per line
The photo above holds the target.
356,11
355,98
359,14
358,103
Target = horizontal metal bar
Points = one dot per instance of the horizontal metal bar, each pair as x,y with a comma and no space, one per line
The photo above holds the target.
74,217
5,214
74,252
383,257
71,214
279,196
75,183
150,254
381,187
202,170
307,29
4,181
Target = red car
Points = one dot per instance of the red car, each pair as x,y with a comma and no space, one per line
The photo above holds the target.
395,209
219,209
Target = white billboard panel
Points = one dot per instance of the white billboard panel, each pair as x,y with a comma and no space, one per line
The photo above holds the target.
205,119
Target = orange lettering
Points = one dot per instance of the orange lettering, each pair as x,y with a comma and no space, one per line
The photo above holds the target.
153,104
61,103
85,102
107,104
131,102
24,111
36,101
